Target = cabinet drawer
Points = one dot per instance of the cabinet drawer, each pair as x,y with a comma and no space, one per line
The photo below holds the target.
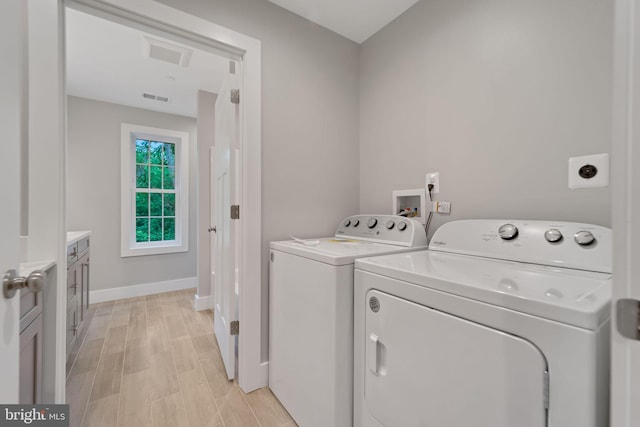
72,254
30,307
73,279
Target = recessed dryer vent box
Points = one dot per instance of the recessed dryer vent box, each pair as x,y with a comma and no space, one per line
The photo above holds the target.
411,203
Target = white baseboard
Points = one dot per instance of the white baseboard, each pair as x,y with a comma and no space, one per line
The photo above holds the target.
203,303
132,291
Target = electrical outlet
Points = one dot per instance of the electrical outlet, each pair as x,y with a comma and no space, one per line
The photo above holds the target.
441,207
589,171
433,178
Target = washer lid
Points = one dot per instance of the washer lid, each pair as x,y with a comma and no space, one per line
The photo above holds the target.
574,297
337,251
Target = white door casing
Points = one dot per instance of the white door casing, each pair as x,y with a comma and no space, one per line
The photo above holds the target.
157,18
11,102
225,293
625,360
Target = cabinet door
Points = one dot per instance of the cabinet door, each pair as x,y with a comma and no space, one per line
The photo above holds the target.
73,320
31,362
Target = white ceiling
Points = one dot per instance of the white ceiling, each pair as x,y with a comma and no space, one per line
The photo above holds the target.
354,19
105,62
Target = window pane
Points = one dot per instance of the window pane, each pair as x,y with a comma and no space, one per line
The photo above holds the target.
169,229
169,154
142,204
142,229
156,176
155,226
169,204
169,178
142,151
142,176
155,204
156,152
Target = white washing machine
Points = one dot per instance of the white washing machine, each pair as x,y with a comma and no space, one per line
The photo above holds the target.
498,324
311,314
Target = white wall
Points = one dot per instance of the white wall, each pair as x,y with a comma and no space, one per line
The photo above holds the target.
493,94
309,121
93,192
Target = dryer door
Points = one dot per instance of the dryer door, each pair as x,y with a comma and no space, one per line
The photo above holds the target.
424,367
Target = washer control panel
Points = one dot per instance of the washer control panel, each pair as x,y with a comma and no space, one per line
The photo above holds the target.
389,229
566,244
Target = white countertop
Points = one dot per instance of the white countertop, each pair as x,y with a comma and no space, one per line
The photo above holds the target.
26,268
74,236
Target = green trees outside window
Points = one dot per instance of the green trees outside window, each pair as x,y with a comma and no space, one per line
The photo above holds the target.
155,191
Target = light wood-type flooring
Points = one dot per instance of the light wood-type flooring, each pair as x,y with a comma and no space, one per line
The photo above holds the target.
154,361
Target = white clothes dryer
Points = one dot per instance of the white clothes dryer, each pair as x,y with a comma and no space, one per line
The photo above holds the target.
311,314
498,324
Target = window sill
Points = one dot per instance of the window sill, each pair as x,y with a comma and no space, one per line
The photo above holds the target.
153,250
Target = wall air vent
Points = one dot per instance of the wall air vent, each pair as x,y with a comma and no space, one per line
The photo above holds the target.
156,97
166,52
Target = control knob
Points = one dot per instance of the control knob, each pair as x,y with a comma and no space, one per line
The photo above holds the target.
390,224
356,222
402,226
584,238
508,232
553,235
347,223
372,222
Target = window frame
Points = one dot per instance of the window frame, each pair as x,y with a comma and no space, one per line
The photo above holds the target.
129,246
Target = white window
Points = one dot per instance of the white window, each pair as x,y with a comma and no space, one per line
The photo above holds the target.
155,191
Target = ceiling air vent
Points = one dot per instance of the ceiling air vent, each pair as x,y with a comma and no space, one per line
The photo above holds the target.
156,97
166,52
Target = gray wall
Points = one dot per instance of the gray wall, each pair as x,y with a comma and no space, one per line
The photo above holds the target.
493,94
309,121
93,192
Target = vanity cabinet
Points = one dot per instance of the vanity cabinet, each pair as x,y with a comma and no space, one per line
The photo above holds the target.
30,347
78,264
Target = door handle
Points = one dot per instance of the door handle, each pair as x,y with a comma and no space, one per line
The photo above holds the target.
12,282
212,229
372,353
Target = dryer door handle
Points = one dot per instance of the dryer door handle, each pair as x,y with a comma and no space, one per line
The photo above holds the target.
373,353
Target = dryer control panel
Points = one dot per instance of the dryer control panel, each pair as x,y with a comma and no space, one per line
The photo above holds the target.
555,243
389,229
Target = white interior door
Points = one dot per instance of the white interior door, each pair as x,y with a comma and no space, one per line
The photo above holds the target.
227,245
213,235
11,101
625,369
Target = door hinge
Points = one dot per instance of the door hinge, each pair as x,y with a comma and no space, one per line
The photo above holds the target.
628,318
545,391
235,211
235,96
234,327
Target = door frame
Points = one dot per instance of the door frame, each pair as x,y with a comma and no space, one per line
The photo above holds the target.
154,17
625,374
